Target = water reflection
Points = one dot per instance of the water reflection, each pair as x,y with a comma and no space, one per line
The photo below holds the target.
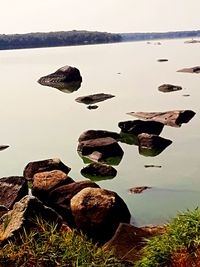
69,87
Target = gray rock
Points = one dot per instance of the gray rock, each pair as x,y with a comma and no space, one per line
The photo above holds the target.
98,212
43,166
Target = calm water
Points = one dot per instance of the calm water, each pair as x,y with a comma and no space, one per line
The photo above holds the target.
41,122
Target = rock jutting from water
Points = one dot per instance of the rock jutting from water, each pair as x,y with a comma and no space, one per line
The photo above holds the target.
173,118
2,147
94,134
190,70
166,88
67,79
138,189
162,60
93,99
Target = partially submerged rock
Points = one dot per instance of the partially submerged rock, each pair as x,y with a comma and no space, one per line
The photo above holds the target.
138,126
94,134
43,166
2,147
152,145
191,70
98,172
67,79
92,99
171,118
162,60
152,166
24,214
98,212
193,41
138,189
166,88
12,189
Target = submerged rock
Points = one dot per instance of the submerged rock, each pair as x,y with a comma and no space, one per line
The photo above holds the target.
98,212
173,118
98,172
2,147
94,134
67,79
43,166
92,99
138,189
137,126
166,88
191,70
152,145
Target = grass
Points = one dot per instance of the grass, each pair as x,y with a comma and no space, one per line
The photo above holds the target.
47,246
179,246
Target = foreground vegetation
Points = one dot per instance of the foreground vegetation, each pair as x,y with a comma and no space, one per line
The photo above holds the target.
178,247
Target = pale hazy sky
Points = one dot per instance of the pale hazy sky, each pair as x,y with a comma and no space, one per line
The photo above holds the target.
20,16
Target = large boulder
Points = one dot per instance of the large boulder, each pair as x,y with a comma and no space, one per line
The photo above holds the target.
98,172
12,189
23,215
44,166
173,118
104,150
45,182
98,212
67,79
166,88
59,199
137,127
94,134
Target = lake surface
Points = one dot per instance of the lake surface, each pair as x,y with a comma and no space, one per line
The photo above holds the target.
41,122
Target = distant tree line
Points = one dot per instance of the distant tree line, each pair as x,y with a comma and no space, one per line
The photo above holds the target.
51,39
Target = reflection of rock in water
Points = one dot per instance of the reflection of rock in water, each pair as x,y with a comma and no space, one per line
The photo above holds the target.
98,172
92,99
67,79
2,147
137,126
171,118
152,145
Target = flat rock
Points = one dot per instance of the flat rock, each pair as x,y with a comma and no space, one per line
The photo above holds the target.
166,88
92,99
98,172
23,215
59,198
2,147
45,182
171,118
152,145
192,41
12,189
94,134
138,126
98,212
162,60
43,166
138,189
191,70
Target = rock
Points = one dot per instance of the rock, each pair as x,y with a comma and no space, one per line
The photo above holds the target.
92,107
162,60
98,212
98,172
43,166
59,198
137,127
152,145
44,182
2,147
171,118
67,79
23,215
104,150
192,41
94,134
92,99
191,70
12,189
138,189
152,166
129,139
127,242
166,88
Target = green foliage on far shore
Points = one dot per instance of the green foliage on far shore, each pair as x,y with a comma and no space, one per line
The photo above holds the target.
46,246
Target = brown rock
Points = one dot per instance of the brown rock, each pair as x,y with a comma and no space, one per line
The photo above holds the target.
92,99
166,88
98,212
59,198
12,189
44,166
94,134
138,189
44,182
191,70
98,172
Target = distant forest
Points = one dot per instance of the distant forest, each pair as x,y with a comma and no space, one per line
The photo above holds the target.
67,38
51,39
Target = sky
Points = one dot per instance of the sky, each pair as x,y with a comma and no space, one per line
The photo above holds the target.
23,16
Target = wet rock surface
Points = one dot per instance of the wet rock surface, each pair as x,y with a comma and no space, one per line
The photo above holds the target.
166,88
162,60
92,99
43,166
98,213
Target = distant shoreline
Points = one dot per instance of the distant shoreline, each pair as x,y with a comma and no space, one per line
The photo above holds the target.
75,38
